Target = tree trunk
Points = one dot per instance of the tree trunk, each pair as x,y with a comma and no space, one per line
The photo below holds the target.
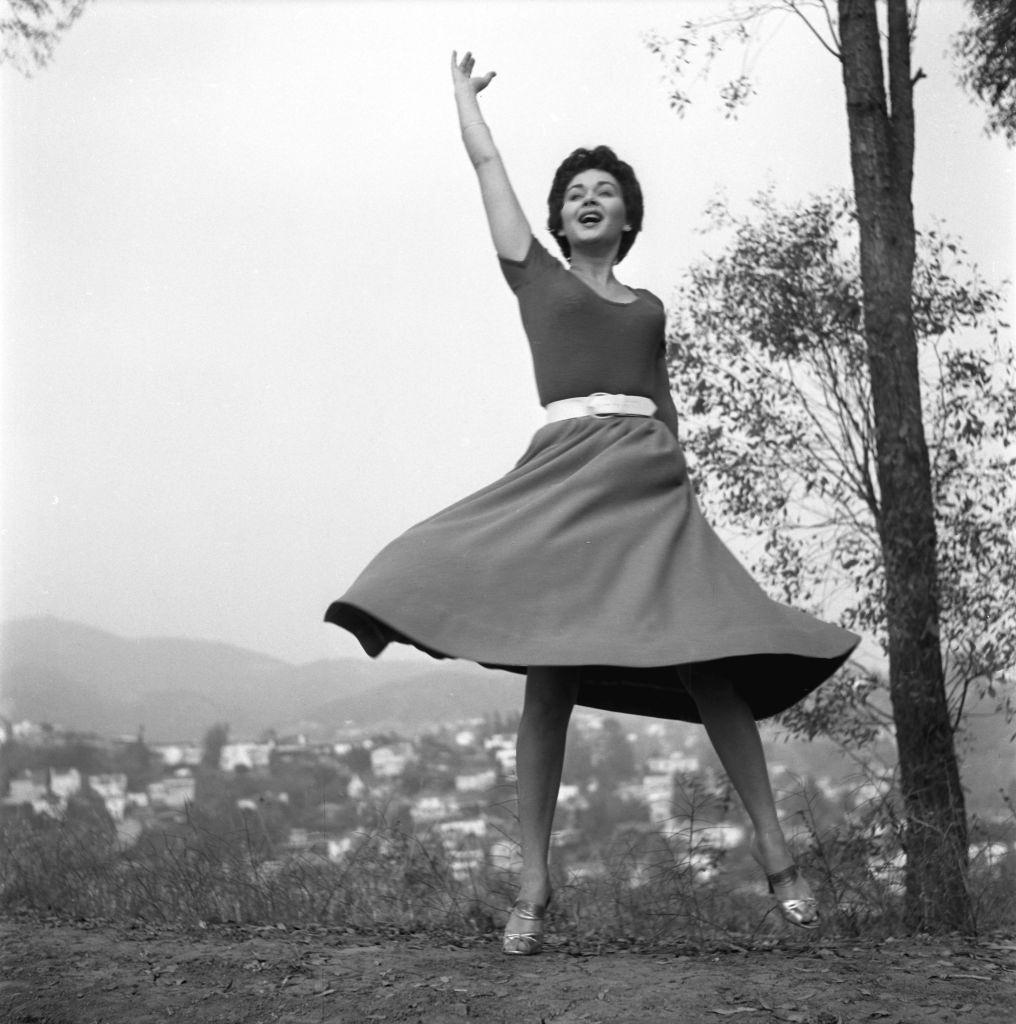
881,154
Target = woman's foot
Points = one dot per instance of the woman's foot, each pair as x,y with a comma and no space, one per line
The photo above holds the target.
794,897
523,934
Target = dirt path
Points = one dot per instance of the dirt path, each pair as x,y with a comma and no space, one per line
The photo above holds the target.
56,973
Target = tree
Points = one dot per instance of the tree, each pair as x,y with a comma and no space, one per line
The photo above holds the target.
215,739
881,131
882,162
578,759
137,761
769,356
987,52
31,29
614,759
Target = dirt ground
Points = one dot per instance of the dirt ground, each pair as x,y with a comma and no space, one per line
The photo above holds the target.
85,973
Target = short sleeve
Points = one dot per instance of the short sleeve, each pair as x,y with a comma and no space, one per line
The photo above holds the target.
537,262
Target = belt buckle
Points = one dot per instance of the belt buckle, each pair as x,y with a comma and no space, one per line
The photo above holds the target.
592,404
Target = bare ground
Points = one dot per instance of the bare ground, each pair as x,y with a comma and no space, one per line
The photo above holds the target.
56,972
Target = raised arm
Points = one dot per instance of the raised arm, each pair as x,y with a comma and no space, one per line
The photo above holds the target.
508,225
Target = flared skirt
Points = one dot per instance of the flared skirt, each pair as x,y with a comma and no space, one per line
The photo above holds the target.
592,552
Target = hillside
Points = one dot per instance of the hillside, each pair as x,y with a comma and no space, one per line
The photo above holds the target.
90,680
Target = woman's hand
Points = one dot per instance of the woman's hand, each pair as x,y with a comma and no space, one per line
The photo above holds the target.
462,74
508,225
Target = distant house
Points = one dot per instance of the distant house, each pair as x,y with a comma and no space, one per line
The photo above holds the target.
303,753
463,831
173,793
427,810
32,789
304,840
390,761
64,784
505,855
338,848
569,797
466,863
655,792
112,790
28,788
721,836
505,757
245,755
29,733
671,763
500,741
476,782
178,755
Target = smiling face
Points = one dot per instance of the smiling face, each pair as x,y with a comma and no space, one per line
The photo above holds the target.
593,212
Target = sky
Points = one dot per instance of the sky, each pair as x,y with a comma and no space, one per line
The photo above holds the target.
252,322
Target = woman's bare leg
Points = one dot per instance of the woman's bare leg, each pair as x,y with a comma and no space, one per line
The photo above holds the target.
550,697
734,734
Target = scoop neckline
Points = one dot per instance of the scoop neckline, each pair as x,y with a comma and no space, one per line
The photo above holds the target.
590,288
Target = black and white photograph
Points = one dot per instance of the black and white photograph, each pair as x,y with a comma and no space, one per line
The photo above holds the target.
507,511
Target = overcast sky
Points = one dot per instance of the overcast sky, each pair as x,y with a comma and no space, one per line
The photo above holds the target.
252,322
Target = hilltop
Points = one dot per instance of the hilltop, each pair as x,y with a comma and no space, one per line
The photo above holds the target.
299,976
89,680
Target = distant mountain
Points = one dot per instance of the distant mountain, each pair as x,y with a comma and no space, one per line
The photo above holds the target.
86,679
89,680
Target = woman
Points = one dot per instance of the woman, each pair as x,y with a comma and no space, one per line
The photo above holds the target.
589,566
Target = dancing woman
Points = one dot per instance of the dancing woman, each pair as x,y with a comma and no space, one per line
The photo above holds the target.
589,566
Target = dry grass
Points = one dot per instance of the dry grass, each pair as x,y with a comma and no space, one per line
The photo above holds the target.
650,889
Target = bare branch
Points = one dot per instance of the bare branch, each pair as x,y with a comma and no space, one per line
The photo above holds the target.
795,6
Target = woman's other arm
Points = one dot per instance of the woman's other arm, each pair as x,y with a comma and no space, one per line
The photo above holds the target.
508,225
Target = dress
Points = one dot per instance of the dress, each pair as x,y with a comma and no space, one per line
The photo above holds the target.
592,550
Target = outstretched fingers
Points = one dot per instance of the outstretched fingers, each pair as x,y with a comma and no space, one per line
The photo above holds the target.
462,71
465,65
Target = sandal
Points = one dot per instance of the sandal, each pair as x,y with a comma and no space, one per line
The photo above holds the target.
800,912
525,943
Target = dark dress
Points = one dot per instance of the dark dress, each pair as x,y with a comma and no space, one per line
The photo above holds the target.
592,551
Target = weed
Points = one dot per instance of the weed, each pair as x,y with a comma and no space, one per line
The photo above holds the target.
652,885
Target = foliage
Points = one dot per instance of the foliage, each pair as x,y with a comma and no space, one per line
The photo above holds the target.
653,887
699,49
90,755
987,52
768,353
31,29
212,745
614,760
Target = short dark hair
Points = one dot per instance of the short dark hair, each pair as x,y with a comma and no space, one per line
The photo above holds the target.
602,158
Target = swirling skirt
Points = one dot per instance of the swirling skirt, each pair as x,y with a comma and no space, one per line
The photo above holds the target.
592,552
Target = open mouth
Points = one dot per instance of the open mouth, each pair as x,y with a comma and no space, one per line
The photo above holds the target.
591,217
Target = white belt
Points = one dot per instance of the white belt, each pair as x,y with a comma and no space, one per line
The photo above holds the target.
600,404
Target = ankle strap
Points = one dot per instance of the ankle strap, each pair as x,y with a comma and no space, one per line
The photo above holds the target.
529,911
783,877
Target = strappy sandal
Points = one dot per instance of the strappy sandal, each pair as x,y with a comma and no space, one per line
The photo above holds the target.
800,912
525,943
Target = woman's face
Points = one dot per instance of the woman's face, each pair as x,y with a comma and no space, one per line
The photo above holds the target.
593,214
